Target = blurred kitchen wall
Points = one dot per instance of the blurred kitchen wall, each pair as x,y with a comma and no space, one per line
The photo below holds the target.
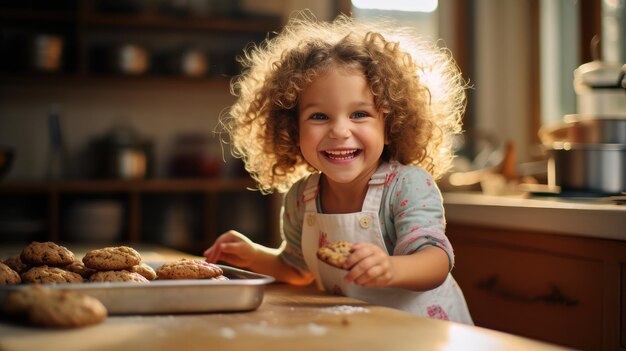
89,110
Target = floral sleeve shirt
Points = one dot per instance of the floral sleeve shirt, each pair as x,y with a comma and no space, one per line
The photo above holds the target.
411,215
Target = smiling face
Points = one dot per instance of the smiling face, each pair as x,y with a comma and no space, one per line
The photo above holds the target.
341,133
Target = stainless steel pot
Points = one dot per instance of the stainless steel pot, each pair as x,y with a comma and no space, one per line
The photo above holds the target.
593,168
586,129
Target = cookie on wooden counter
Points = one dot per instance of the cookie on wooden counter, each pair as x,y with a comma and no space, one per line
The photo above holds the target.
8,275
16,264
55,308
335,254
188,269
112,258
20,301
117,276
145,270
50,275
46,253
67,309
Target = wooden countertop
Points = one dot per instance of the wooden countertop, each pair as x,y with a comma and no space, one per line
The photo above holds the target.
596,218
290,318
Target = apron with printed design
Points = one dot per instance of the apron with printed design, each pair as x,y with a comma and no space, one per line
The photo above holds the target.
444,302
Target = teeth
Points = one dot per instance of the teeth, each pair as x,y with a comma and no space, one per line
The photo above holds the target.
341,154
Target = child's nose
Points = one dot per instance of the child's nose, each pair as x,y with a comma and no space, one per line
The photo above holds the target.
340,129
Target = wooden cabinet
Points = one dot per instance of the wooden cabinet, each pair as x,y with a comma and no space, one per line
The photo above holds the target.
562,289
184,214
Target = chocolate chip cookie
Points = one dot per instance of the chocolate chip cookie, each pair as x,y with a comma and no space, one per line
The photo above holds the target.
188,269
46,253
8,275
335,254
117,276
112,258
50,275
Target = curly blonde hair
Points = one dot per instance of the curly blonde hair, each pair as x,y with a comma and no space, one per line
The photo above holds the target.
416,85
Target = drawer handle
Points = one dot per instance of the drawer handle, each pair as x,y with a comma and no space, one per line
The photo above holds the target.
554,297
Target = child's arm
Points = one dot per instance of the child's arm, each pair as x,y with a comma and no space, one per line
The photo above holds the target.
423,270
236,249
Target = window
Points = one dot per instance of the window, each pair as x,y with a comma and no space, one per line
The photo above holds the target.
519,57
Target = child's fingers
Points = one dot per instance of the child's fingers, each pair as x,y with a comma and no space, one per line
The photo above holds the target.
232,259
376,275
379,281
363,270
230,248
360,251
212,253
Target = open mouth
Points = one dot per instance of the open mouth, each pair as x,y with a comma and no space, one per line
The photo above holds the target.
340,155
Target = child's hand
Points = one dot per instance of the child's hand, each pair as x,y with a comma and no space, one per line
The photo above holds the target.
232,248
369,265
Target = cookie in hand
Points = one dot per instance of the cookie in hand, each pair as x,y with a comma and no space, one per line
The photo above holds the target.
335,254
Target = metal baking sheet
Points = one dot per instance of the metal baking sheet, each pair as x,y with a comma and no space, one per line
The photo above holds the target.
242,292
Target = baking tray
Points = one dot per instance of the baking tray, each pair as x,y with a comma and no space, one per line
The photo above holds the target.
242,292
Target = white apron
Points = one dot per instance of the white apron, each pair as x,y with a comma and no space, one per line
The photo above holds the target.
444,302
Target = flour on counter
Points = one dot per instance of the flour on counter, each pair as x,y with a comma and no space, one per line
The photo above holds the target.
228,333
345,309
265,329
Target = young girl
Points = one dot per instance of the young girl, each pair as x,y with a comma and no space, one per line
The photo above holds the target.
355,123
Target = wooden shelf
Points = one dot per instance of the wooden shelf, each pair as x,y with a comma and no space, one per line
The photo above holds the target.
191,23
107,186
9,14
104,80
53,197
86,29
84,15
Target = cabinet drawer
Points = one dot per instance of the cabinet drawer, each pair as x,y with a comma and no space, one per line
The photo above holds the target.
528,292
622,329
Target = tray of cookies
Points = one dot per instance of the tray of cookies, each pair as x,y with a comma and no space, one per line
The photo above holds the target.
124,284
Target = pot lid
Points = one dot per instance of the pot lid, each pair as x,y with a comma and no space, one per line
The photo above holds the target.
599,74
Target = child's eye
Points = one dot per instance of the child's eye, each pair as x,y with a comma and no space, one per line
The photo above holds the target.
318,116
359,115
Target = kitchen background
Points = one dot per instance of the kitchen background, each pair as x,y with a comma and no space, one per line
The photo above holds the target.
132,90
108,110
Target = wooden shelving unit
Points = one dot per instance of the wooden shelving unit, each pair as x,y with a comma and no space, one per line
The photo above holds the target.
133,193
